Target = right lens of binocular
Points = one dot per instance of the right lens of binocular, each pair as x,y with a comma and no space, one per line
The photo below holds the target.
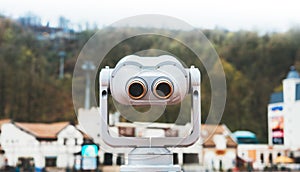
137,89
163,88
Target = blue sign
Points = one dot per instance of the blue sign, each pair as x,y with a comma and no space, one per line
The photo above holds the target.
277,108
89,151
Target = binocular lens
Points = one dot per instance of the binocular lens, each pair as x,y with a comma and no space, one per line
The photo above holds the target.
136,90
163,89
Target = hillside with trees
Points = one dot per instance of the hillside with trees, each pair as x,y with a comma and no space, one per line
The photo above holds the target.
254,63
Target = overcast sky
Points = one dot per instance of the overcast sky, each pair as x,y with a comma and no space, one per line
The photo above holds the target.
260,15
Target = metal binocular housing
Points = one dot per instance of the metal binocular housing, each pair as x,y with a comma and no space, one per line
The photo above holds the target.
158,81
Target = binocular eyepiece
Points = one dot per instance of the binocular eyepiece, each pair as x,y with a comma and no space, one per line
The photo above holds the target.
149,80
162,88
137,89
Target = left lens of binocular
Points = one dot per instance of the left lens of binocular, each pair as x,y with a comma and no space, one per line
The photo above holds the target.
137,89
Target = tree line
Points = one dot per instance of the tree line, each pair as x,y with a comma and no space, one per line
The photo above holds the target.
254,64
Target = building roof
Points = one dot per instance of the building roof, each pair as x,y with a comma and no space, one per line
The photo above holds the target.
297,91
4,121
276,97
242,133
293,73
245,137
42,130
208,131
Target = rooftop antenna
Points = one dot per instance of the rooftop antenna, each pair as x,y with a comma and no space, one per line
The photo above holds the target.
61,55
87,66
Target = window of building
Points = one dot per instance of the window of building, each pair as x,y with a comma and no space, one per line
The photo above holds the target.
270,158
108,158
298,92
25,163
262,158
175,158
292,155
120,159
50,161
190,158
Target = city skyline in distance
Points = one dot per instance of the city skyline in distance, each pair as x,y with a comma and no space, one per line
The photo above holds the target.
265,16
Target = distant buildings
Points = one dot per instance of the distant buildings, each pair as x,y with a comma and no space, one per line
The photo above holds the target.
47,32
283,113
283,128
259,156
219,147
61,145
41,145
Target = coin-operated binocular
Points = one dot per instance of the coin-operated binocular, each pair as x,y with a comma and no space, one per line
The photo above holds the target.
155,81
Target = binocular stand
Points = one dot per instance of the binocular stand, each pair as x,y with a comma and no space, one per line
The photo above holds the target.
154,159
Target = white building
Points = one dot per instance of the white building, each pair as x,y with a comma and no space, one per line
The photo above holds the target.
260,155
2,157
44,145
219,147
283,113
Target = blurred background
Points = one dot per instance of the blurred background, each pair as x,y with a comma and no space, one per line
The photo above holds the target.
257,41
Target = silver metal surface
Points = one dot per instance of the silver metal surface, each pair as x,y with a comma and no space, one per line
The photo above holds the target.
150,159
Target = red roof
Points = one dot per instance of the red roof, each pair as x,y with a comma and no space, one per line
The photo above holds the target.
43,130
208,131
